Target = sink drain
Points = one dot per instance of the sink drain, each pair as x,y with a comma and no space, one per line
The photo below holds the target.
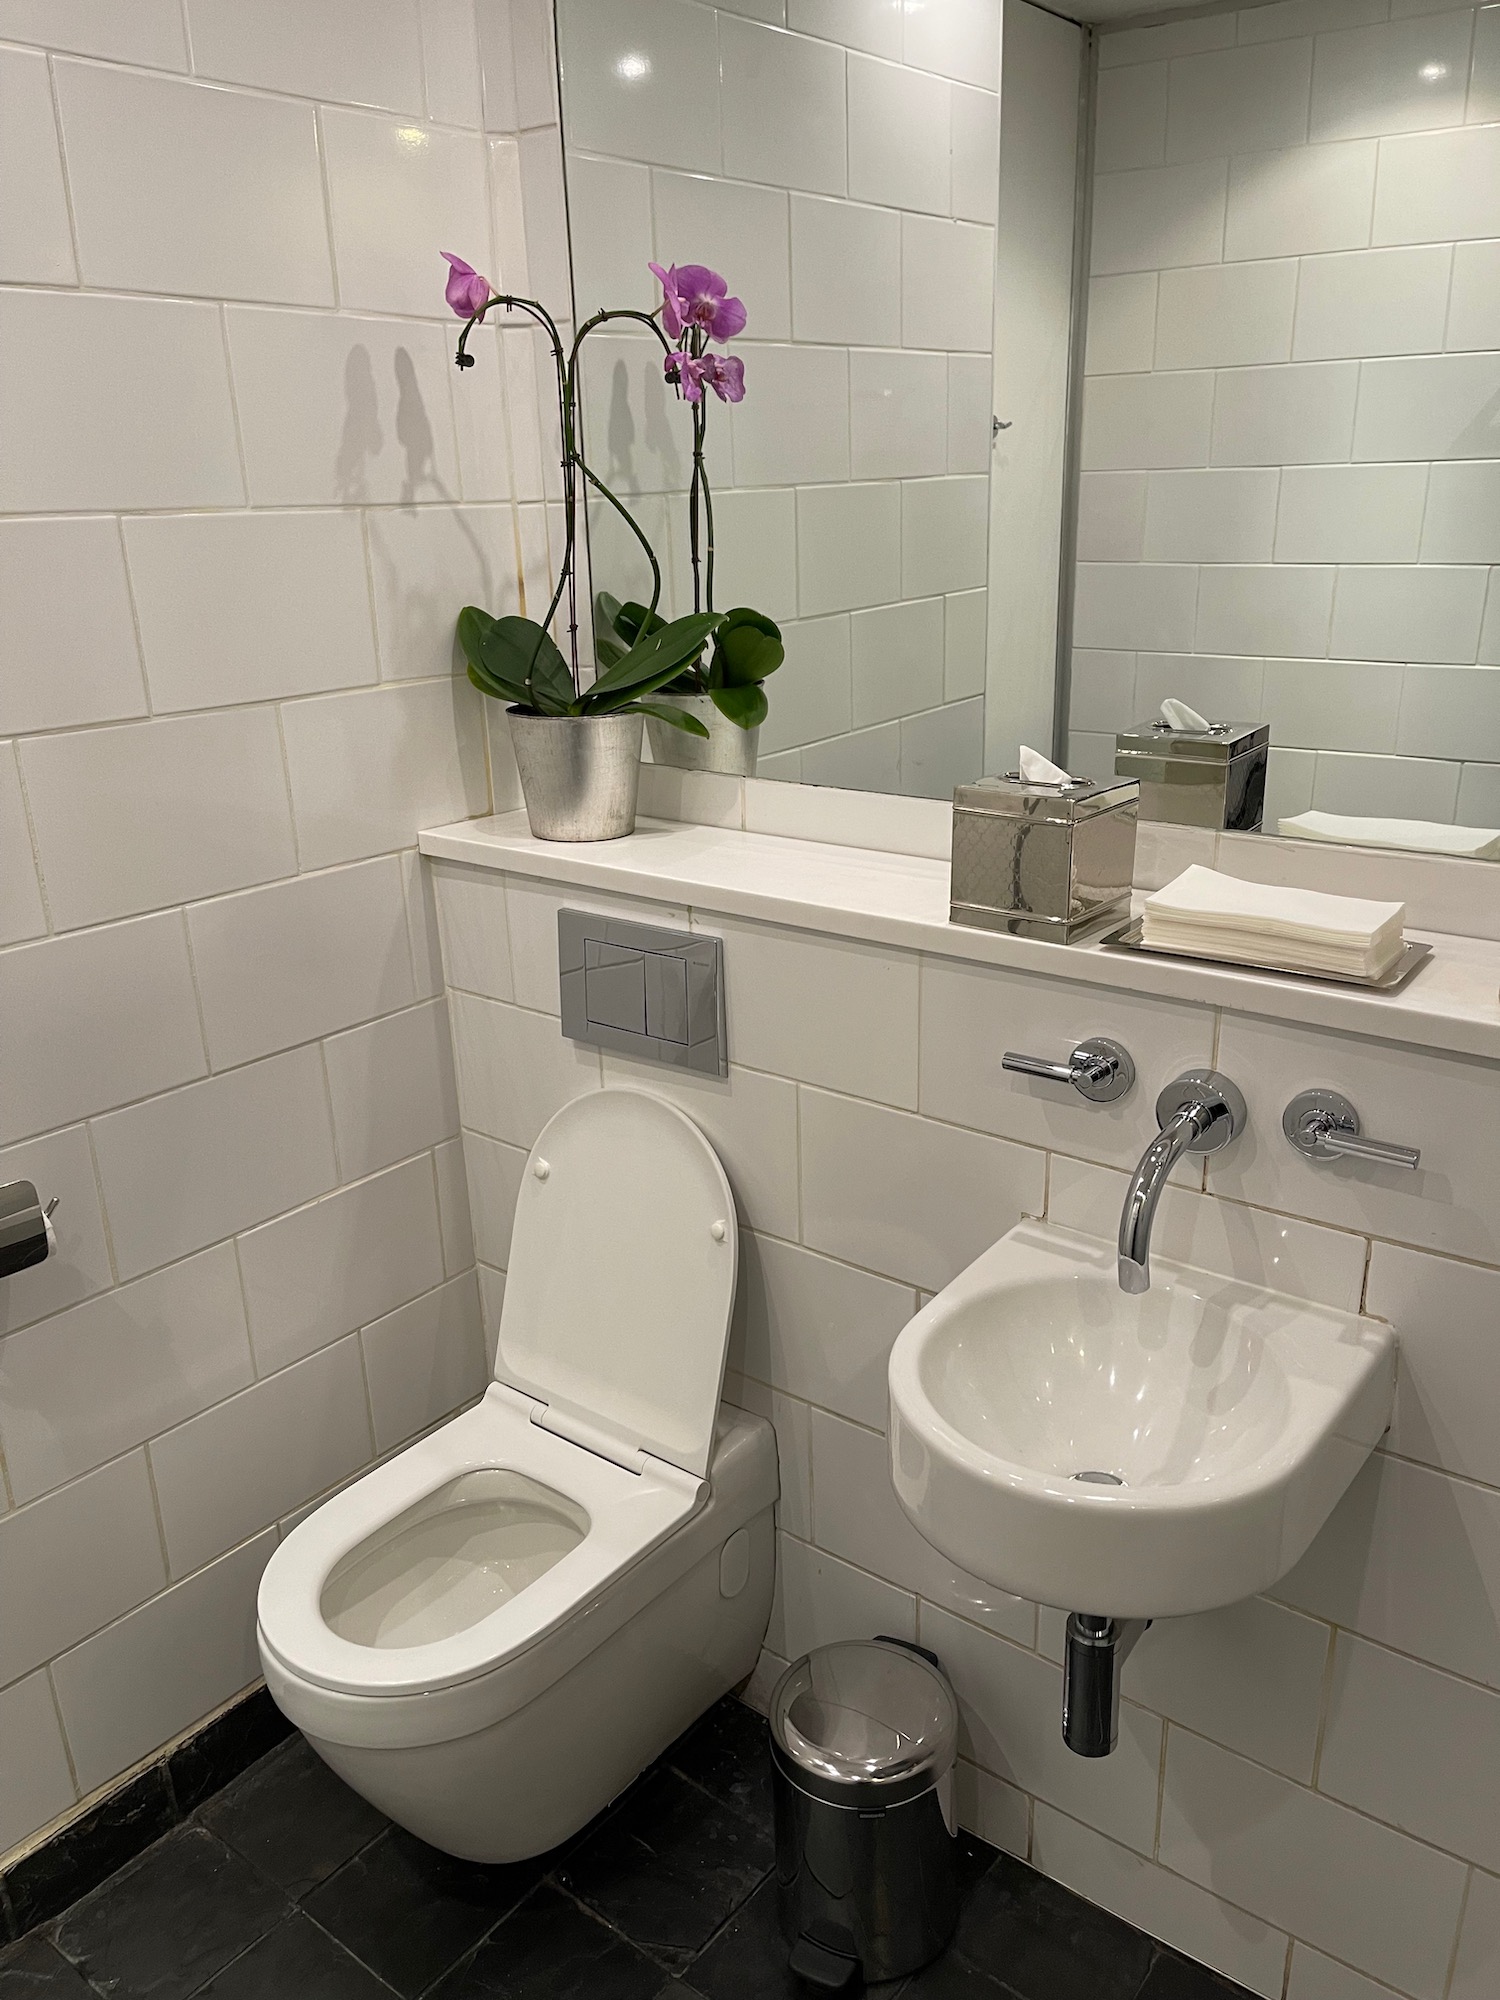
1100,1478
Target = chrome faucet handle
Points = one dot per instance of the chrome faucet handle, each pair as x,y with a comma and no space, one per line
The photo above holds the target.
1198,1112
1098,1069
1217,1107
1324,1125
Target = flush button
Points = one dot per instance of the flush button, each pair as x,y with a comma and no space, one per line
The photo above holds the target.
654,994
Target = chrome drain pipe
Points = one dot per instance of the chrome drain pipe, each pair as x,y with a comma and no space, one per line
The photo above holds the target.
1096,1650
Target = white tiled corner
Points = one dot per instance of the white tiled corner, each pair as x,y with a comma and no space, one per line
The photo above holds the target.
112,1372
784,116
820,1600
815,1328
849,546
908,1197
824,1010
996,1811
1442,1311
1314,1976
450,61
1310,1866
74,1560
222,1476
150,813
356,51
515,1068
37,1785
749,1118
54,1066
494,1174
392,1088
143,1680
424,1360
454,1216
36,244
285,594
1194,1920
1011,1701
368,770
329,949
335,1265
856,1516
186,1169
114,402
226,201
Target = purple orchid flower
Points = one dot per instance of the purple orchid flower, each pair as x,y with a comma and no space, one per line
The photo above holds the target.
724,374
694,296
466,291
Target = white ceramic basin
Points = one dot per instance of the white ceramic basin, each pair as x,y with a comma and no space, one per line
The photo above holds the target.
1233,1417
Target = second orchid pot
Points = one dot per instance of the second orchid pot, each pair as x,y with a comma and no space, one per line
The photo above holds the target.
579,773
726,748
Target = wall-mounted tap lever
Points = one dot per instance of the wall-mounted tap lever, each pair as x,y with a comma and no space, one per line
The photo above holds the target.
1324,1125
1098,1069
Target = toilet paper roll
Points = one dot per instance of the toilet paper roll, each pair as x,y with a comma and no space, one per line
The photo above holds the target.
26,1233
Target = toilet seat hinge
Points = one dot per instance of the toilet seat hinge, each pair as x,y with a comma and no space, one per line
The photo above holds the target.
578,1431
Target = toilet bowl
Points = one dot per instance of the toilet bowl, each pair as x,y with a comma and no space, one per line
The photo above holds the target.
492,1633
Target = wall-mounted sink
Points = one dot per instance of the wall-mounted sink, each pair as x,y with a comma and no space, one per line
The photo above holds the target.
1127,1456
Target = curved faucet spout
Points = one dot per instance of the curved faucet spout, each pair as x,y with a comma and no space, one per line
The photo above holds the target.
1198,1113
1146,1183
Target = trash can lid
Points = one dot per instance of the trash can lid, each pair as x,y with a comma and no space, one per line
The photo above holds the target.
864,1723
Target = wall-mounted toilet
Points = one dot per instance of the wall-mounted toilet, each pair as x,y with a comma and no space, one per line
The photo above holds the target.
491,1634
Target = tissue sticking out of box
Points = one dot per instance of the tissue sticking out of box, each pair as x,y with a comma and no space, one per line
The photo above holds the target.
1177,715
1039,770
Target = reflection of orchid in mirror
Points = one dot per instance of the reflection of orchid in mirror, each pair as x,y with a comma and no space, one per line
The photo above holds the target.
723,373
695,299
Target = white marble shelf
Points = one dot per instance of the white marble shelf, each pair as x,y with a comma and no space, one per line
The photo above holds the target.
1452,1004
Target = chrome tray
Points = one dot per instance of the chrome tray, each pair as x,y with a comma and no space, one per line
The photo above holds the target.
1128,938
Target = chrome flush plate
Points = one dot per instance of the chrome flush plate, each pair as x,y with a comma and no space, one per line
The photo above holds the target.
654,994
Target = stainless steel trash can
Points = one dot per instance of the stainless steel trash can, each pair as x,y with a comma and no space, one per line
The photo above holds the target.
863,1741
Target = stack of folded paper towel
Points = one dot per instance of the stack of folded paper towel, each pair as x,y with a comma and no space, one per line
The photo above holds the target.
1204,914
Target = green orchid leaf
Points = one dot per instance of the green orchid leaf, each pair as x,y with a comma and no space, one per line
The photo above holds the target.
653,661
633,621
745,705
497,690
606,612
747,647
517,651
607,652
664,712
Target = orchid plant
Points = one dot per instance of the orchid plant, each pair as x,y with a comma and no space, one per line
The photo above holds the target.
515,659
697,310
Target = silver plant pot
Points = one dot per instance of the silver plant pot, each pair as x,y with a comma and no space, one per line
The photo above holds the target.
728,748
579,773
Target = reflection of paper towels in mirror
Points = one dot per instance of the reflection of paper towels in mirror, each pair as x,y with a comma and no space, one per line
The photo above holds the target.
1422,836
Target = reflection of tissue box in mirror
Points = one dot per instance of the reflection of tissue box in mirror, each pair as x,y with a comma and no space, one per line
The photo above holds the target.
1214,777
1041,861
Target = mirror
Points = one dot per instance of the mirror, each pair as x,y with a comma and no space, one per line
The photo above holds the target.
1269,485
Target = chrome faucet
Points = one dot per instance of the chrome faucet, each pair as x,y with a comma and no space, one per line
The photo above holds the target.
1198,1113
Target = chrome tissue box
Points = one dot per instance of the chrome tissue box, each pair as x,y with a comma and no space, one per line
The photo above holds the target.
1041,861
1198,777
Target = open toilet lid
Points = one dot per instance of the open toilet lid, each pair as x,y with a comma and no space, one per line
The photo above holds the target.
622,1273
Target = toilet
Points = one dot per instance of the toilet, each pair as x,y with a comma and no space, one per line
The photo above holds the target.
492,1633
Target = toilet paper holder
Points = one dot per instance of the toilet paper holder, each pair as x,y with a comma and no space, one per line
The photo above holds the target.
26,1236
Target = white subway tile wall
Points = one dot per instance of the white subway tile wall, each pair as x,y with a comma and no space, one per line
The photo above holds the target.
244,495
838,163
1304,1782
1291,454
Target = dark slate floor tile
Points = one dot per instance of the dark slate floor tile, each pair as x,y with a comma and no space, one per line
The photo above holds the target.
207,1762
296,1961
410,1913
90,1850
550,1949
669,1867
294,1819
748,1959
32,1970
727,1754
1044,1943
171,1919
1174,1978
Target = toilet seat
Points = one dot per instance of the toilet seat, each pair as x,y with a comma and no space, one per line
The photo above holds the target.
609,1368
